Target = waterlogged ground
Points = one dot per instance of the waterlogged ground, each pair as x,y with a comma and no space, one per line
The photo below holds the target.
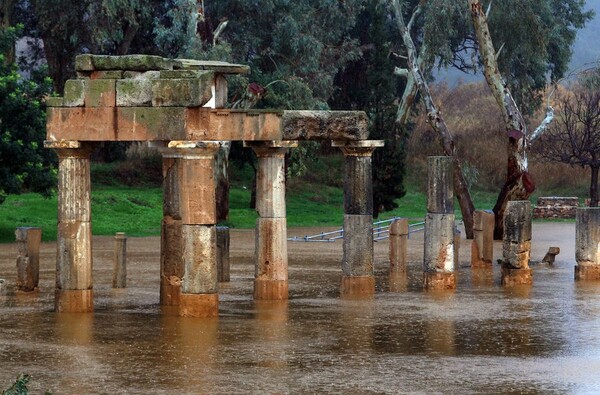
543,339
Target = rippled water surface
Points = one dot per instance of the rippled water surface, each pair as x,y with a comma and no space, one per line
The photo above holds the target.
543,339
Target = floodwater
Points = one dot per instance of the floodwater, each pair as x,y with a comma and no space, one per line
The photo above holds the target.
480,339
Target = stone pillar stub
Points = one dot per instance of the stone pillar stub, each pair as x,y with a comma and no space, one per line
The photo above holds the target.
439,243
357,261
119,279
482,249
223,264
516,245
28,258
271,260
398,245
587,244
440,185
74,237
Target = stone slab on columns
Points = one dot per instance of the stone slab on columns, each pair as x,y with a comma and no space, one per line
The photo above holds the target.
398,245
440,185
358,245
199,259
587,244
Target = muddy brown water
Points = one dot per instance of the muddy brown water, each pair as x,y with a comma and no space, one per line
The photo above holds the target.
543,339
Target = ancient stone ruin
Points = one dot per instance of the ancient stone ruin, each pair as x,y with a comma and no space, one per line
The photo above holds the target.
556,207
178,106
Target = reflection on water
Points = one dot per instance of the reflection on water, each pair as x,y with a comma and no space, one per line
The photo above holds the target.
481,338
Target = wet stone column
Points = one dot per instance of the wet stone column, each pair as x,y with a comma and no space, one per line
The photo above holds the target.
439,257
199,297
587,244
398,245
271,260
171,241
74,239
119,279
28,258
482,247
516,247
357,262
223,265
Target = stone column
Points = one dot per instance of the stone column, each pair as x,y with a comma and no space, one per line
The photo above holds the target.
171,241
74,238
223,241
482,247
119,279
357,263
516,245
199,297
398,245
587,244
439,260
271,275
28,258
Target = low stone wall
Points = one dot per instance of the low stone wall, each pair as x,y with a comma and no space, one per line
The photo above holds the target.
556,207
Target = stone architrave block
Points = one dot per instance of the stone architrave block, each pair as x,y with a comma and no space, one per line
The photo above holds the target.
358,245
184,74
199,259
55,101
325,125
182,92
74,94
98,124
147,75
100,93
96,75
234,125
89,62
150,123
134,92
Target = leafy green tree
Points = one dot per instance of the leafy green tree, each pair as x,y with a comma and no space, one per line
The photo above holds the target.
25,165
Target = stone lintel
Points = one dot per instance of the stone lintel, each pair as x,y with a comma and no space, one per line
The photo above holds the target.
325,125
357,147
89,62
271,144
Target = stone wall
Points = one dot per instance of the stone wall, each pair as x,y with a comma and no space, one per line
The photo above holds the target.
556,207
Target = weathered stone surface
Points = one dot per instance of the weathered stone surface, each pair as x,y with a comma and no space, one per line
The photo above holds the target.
358,245
199,259
512,277
357,287
74,185
54,101
28,258
74,301
145,75
84,124
325,125
482,249
135,92
358,185
517,235
587,273
398,245
74,95
88,62
171,261
232,125
186,74
100,93
119,279
97,75
182,92
149,123
197,186
74,256
223,265
516,255
556,207
270,289
199,305
171,166
439,243
558,201
270,180
587,236
550,256
213,65
440,185
439,281
271,249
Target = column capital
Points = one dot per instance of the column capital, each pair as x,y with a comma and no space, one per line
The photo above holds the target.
271,147
189,149
357,147
70,148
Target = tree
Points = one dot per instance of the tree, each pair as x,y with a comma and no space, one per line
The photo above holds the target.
25,165
574,138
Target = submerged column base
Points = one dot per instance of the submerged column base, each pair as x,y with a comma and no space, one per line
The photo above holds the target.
587,273
270,289
439,281
74,301
199,305
476,261
511,277
356,286
169,294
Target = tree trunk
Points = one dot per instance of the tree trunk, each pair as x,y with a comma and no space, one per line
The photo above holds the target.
222,179
437,123
6,11
594,187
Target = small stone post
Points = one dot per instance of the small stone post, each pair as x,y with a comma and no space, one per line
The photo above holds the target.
516,247
74,237
398,245
223,272
28,259
587,244
482,247
271,260
171,241
439,260
199,297
119,279
457,236
357,263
